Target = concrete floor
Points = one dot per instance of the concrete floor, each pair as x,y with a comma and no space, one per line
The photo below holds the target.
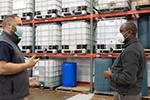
45,94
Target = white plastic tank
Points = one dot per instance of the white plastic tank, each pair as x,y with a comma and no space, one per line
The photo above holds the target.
26,40
76,33
27,36
48,71
5,8
48,7
48,35
23,8
76,7
106,32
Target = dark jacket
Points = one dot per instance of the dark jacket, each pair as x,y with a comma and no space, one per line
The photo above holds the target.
14,87
128,69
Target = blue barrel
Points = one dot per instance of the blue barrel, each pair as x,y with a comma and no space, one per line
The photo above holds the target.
69,74
101,84
143,31
145,83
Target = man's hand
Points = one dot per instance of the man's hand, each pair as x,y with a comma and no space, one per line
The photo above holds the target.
32,82
31,62
107,74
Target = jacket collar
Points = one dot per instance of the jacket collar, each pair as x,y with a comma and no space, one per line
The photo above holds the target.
127,43
13,38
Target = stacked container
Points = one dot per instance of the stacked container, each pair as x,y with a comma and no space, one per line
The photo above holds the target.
47,8
107,31
48,72
48,38
113,5
5,8
23,8
75,7
76,37
26,40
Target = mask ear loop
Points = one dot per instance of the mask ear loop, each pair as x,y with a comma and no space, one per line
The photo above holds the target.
125,34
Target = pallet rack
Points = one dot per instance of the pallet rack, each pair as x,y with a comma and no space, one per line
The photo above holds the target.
90,17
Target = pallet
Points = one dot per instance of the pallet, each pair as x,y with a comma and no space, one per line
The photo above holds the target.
143,7
104,95
79,89
2,17
75,11
77,51
25,15
67,14
98,51
111,10
46,16
81,10
104,48
26,49
78,46
52,13
47,49
26,18
49,88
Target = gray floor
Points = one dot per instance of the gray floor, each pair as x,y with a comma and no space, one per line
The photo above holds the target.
40,94
46,94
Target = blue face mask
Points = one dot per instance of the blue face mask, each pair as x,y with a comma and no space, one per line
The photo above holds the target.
19,31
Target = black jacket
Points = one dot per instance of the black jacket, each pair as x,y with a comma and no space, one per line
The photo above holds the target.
14,87
128,69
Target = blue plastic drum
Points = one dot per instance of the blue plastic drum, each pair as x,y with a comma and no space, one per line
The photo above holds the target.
69,74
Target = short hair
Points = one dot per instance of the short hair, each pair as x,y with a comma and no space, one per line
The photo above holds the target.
8,20
130,26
